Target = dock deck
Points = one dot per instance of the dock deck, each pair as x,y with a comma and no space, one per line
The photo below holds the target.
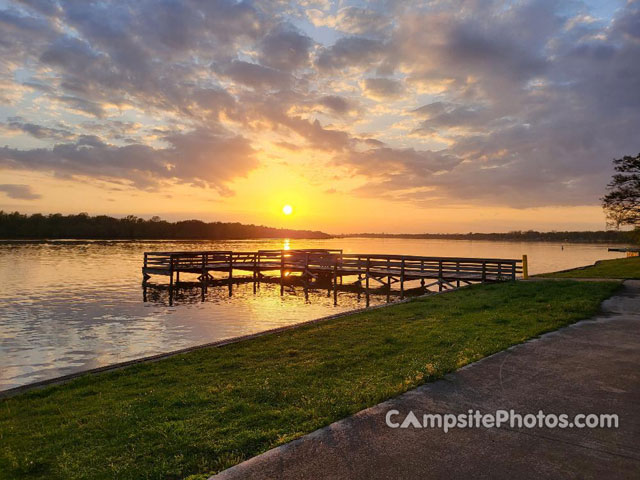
322,267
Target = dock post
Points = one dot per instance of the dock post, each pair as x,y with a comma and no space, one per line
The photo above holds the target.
254,272
335,283
388,280
402,279
170,280
388,288
258,269
525,268
306,274
281,272
230,273
145,277
366,276
204,278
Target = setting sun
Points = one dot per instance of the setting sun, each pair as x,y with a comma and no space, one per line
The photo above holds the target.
287,209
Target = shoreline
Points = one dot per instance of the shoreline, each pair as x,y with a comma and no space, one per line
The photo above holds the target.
13,391
333,237
263,392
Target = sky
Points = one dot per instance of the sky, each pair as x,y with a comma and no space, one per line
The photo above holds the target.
383,116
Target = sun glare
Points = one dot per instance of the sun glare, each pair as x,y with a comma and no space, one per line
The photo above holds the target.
287,209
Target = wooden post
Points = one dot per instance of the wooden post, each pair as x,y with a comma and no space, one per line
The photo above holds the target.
171,271
388,288
402,279
458,274
440,275
205,280
306,273
335,282
170,280
258,268
281,272
203,276
484,271
367,279
525,267
255,267
145,277
513,271
388,280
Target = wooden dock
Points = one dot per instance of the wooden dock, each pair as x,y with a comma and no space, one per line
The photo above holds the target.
321,268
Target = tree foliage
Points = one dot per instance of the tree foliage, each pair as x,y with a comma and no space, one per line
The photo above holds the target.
37,226
622,201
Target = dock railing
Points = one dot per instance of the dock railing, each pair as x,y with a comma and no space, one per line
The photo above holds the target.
328,267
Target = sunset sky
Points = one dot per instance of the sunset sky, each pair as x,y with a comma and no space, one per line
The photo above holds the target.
389,116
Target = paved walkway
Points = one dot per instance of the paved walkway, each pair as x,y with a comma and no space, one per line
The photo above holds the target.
590,367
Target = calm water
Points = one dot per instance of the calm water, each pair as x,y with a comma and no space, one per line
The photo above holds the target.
71,306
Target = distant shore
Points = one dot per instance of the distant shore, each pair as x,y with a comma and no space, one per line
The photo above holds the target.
602,236
39,227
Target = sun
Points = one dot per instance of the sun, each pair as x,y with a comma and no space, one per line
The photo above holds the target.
287,209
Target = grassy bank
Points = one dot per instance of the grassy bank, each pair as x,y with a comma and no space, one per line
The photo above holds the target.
618,268
206,410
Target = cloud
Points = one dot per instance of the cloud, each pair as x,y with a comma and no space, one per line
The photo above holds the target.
285,49
202,158
354,20
256,76
526,102
337,104
382,88
350,52
19,192
17,124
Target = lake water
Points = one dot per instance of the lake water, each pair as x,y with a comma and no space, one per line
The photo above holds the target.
69,306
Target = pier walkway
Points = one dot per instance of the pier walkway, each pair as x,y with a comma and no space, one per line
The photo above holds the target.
321,268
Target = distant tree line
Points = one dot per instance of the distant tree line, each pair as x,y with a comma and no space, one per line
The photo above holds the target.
82,226
608,236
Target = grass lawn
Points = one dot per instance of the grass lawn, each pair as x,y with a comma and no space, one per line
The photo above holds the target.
207,410
618,268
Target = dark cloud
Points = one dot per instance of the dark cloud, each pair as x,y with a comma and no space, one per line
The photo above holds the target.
533,108
37,131
336,104
19,192
350,52
256,76
285,49
205,158
383,87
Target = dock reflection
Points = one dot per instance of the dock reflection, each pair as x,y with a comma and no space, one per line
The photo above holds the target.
190,292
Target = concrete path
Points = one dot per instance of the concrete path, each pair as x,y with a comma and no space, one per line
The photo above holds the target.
590,367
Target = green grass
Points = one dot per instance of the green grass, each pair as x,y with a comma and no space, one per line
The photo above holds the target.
207,410
618,268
